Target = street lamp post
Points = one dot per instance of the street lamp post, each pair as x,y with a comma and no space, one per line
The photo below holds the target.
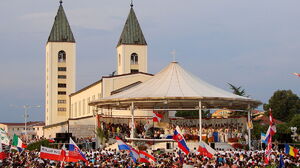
26,107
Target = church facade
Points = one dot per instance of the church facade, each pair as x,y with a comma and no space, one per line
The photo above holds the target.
67,110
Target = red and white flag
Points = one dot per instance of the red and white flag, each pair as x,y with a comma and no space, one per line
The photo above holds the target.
50,154
157,117
2,153
145,157
206,150
297,74
271,131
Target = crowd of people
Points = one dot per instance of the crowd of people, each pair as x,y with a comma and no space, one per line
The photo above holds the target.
108,158
210,132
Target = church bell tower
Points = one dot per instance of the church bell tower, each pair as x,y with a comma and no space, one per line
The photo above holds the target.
60,69
132,47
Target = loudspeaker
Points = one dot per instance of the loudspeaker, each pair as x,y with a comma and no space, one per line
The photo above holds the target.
62,137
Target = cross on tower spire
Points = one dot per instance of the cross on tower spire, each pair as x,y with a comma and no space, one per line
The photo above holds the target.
60,1
173,53
131,4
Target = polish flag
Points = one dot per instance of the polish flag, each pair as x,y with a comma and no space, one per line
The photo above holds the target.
157,117
50,153
2,153
206,150
145,157
297,74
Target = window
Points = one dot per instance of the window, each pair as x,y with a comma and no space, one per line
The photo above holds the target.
134,71
134,59
62,68
62,77
119,59
62,93
79,108
61,109
61,101
83,107
88,101
61,56
75,109
62,85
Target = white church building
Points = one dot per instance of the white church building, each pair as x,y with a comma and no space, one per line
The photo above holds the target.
67,110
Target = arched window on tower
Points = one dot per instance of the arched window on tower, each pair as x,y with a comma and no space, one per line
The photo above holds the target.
62,56
134,59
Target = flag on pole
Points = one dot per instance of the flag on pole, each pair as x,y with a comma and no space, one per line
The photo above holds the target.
122,145
145,157
271,131
134,155
17,142
206,150
181,141
157,117
297,74
290,150
75,152
3,137
263,138
2,153
281,162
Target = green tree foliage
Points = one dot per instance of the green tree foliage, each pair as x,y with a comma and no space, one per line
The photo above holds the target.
238,90
257,130
37,145
101,134
192,113
295,122
284,104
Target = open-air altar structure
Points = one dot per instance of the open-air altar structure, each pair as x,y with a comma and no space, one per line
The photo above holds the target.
173,89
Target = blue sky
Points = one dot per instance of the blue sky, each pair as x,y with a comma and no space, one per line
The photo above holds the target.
254,44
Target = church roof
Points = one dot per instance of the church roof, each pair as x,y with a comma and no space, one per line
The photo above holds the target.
132,32
61,30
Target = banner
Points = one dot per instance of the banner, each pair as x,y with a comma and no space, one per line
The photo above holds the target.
51,154
3,137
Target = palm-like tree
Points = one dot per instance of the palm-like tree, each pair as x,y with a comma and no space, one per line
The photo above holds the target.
238,90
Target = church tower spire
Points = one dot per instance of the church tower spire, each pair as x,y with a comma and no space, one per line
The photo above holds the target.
60,69
132,47
61,30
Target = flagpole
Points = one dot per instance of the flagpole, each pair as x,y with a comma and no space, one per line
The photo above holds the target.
249,130
200,122
132,120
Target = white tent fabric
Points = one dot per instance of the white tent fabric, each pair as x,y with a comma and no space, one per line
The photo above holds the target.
175,82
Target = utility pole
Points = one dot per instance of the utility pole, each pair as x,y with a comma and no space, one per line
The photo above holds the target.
26,108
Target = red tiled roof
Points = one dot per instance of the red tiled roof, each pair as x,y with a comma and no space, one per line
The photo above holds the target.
31,123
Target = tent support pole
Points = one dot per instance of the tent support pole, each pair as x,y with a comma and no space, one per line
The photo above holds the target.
200,121
132,120
249,129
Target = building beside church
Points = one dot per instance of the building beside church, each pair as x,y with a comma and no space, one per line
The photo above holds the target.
67,110
34,129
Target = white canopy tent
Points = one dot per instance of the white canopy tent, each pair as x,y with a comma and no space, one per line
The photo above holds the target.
174,88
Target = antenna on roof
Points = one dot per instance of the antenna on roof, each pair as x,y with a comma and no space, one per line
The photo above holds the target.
173,53
131,4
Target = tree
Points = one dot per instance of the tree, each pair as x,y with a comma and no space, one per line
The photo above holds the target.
284,104
100,133
295,122
238,90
